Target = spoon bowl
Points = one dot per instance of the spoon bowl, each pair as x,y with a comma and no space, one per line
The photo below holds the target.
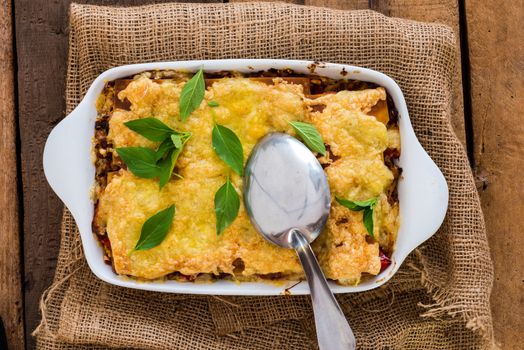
286,195
285,188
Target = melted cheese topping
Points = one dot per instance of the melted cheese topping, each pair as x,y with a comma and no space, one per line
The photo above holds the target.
251,109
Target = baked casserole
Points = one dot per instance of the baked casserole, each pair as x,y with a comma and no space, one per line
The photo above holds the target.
357,123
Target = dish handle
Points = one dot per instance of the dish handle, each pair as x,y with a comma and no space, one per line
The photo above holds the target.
64,160
425,202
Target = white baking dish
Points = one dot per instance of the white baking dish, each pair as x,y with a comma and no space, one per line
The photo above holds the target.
422,191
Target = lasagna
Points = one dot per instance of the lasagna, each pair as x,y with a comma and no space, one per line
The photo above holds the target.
358,125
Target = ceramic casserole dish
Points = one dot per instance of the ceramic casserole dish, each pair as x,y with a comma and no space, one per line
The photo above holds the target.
422,189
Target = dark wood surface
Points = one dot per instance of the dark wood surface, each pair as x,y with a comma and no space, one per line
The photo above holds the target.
40,63
496,52
10,266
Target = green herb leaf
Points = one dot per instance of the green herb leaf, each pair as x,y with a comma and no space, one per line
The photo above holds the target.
146,163
368,206
357,205
155,229
350,205
228,147
141,161
310,135
164,147
368,220
227,203
213,104
168,164
192,94
367,203
151,128
176,140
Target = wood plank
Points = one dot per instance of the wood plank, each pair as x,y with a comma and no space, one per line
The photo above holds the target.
497,91
10,271
41,36
41,54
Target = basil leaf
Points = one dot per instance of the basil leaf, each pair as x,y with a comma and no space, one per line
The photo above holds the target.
192,94
141,161
368,206
357,205
228,147
151,128
213,104
310,135
367,203
350,205
227,203
155,229
368,220
176,140
168,164
164,147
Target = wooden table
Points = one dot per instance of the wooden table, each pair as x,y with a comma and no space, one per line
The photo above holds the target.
490,91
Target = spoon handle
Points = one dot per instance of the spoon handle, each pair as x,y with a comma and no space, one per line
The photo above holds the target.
333,330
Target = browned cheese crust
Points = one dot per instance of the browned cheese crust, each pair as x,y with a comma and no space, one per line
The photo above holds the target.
356,120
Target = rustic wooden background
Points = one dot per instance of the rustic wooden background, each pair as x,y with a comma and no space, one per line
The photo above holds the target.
33,49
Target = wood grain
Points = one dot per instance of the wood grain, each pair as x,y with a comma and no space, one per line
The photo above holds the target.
41,53
10,268
41,36
497,91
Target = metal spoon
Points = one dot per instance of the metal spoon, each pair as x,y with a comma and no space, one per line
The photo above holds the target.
286,195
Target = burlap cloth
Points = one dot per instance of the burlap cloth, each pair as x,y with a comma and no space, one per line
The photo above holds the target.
440,297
